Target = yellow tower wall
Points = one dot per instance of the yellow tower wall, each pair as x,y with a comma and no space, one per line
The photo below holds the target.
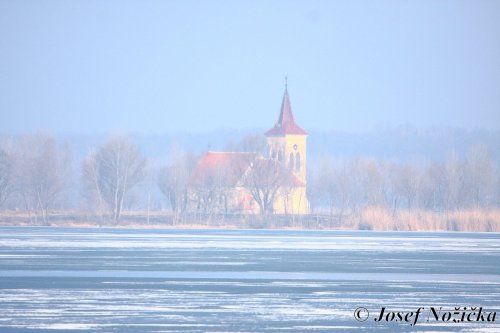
285,145
291,200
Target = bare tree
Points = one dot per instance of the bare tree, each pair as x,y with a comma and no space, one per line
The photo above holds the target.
314,185
6,174
433,186
374,182
480,174
264,179
455,182
111,171
90,182
42,171
358,185
326,184
212,184
406,184
336,185
173,180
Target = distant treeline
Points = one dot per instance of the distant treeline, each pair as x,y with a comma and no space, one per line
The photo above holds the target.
40,175
403,143
469,182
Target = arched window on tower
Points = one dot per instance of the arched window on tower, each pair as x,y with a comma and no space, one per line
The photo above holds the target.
272,154
297,161
291,162
280,155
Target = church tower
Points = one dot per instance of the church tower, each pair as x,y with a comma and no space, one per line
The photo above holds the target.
286,141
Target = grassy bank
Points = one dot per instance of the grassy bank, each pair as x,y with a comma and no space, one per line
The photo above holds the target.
371,218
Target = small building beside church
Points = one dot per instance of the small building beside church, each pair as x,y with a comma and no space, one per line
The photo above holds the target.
250,183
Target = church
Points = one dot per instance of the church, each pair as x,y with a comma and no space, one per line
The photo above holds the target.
251,183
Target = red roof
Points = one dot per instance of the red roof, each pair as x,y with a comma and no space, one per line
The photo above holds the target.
228,168
286,123
223,168
267,168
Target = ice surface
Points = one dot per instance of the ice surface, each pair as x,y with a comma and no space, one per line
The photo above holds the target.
239,280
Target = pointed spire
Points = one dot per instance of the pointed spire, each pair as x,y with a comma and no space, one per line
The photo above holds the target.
286,123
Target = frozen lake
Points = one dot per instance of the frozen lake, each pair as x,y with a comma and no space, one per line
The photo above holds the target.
136,280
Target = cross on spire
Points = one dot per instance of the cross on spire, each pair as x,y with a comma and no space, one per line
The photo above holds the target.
286,124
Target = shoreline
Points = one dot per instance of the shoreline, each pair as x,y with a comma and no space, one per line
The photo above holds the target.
228,228
374,219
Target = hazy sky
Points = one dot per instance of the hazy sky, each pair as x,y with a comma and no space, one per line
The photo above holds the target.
161,66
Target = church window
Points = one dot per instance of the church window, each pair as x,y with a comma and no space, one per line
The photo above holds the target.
297,161
280,155
291,162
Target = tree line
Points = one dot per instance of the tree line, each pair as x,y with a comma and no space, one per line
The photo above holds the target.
37,173
469,182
